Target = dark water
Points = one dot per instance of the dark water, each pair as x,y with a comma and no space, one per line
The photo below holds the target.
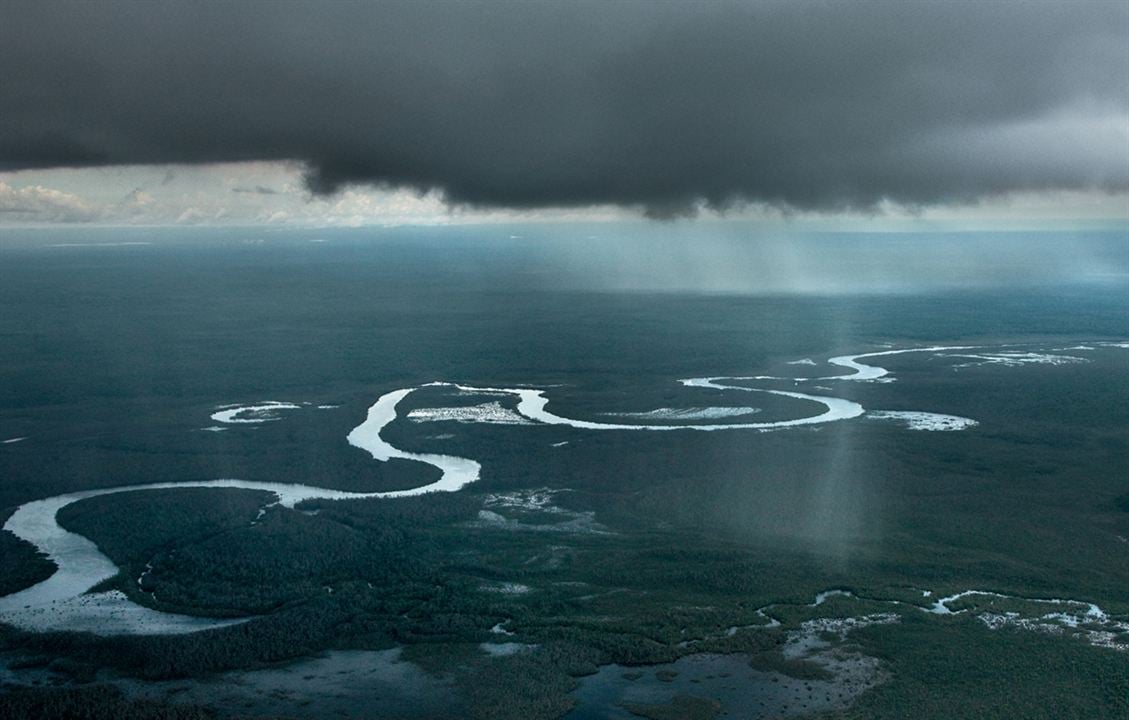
338,684
744,693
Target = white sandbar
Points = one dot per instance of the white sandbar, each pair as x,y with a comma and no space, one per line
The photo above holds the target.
924,420
261,413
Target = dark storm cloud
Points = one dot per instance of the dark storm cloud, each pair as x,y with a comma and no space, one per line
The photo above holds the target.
799,104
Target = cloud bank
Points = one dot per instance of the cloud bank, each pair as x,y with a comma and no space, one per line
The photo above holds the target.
40,204
811,106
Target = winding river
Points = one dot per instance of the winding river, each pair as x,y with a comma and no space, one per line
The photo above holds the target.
62,602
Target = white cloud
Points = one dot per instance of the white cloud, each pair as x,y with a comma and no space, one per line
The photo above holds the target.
209,195
39,204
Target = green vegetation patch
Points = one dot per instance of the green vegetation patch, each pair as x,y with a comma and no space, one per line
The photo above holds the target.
1122,503
941,671
130,527
774,661
99,702
21,565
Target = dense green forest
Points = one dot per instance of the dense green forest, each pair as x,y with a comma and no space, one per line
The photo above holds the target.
21,564
646,548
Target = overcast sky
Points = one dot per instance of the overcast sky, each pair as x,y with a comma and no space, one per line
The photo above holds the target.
391,113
